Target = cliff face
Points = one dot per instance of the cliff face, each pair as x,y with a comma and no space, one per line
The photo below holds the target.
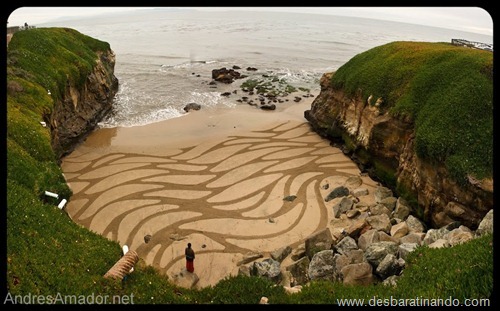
377,140
81,108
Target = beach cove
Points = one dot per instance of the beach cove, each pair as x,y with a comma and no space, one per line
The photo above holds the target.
216,178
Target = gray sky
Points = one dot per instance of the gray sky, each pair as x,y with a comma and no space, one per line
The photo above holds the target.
472,19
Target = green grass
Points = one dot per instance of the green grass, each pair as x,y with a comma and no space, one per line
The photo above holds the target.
462,271
49,254
446,90
52,55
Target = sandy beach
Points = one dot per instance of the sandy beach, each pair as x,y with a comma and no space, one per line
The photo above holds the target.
214,178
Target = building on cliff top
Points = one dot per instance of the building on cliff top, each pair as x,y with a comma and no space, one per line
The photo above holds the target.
472,44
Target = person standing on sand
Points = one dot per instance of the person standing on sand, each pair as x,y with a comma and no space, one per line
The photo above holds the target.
189,252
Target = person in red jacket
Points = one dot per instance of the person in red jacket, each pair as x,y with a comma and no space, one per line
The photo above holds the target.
189,252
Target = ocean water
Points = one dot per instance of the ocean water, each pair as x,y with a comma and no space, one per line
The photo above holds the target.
164,58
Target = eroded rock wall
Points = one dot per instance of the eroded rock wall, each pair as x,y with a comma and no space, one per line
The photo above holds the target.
81,108
376,139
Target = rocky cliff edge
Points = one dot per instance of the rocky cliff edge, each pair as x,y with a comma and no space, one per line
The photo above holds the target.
384,146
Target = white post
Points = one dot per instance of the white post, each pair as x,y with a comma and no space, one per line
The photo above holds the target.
62,203
51,194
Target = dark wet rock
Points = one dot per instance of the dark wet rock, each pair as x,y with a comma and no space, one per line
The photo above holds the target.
290,198
192,106
337,192
268,107
225,75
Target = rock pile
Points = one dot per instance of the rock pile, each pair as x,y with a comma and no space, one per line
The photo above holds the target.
372,249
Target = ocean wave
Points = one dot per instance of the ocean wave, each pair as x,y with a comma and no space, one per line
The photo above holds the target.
210,99
135,108
304,78
189,64
143,119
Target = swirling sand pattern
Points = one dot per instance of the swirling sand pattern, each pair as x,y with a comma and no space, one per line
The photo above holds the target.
224,196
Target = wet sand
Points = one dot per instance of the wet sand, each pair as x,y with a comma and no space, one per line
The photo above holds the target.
214,178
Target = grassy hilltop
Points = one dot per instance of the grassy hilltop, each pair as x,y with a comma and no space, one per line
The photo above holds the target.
50,255
450,104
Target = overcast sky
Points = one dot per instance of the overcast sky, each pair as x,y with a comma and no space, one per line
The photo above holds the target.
472,19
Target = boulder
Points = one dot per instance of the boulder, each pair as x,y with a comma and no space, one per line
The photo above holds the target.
358,274
192,106
322,266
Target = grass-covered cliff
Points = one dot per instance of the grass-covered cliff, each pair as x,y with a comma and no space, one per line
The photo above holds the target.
72,76
52,259
46,58
46,252
447,91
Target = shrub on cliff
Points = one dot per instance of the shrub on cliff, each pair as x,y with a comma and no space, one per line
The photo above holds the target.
446,90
